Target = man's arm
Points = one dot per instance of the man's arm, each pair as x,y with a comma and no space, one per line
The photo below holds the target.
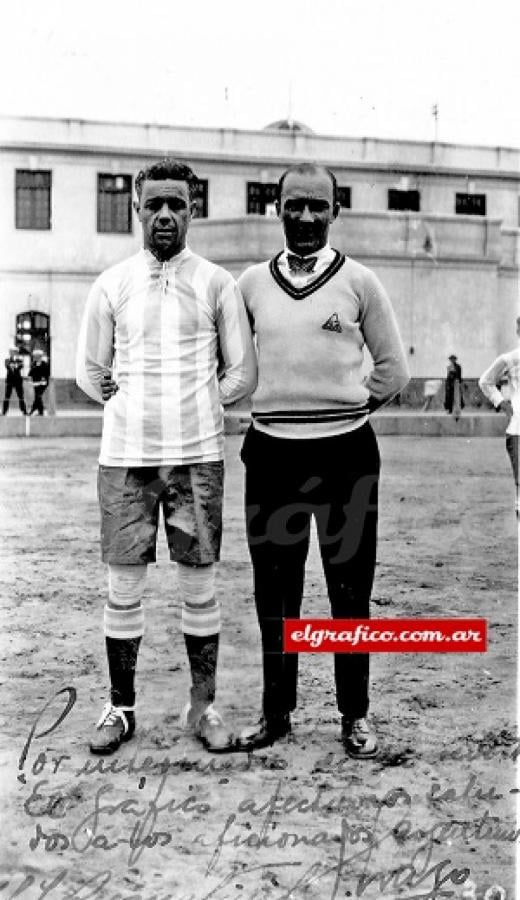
236,345
489,379
95,343
33,375
390,373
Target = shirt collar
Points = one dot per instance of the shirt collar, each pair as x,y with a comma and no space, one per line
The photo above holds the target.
324,253
174,262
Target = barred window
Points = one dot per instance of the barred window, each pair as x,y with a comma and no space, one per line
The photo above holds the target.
33,332
114,207
260,198
405,201
200,196
344,197
33,199
470,204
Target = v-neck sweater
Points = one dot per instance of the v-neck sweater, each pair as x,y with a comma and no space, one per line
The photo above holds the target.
310,348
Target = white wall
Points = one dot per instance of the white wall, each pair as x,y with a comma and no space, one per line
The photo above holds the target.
464,302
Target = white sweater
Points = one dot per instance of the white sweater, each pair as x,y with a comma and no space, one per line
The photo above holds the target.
310,348
505,366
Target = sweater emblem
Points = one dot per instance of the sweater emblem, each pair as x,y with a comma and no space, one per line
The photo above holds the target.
333,324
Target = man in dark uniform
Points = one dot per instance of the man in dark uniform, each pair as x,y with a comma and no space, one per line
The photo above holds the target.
39,373
453,397
13,380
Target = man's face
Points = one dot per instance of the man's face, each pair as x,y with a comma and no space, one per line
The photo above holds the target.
306,210
164,211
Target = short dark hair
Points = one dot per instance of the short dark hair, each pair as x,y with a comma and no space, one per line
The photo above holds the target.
168,167
308,168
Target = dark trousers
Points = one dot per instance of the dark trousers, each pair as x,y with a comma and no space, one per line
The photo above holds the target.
512,441
9,387
38,400
287,482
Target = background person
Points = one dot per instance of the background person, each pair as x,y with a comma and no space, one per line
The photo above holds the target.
311,449
168,310
453,397
14,380
507,366
39,374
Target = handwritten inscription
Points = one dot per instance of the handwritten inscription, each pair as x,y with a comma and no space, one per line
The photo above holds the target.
327,837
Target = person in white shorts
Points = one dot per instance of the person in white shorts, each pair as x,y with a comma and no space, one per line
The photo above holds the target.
507,367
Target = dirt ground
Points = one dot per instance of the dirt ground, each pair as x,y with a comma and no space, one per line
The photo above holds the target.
433,814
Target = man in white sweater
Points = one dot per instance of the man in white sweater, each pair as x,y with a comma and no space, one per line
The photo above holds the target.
311,450
507,366
163,315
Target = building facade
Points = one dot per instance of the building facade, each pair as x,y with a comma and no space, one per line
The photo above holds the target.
439,224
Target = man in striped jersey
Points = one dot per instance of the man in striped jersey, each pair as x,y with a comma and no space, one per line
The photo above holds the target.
507,366
311,450
164,316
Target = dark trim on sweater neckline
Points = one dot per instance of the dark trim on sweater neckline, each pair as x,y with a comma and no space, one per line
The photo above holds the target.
301,293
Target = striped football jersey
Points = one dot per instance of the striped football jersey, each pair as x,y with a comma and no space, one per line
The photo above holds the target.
163,327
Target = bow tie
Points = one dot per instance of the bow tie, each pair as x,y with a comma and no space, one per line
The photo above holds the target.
303,264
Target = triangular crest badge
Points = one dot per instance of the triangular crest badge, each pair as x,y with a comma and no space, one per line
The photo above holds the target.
333,324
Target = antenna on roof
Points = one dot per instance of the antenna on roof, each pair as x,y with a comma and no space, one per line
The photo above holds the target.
435,114
290,119
228,112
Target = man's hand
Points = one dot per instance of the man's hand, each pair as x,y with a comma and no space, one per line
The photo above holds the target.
108,387
507,408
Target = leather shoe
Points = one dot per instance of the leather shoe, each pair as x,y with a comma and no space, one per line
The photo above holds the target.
358,738
116,725
209,727
268,730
